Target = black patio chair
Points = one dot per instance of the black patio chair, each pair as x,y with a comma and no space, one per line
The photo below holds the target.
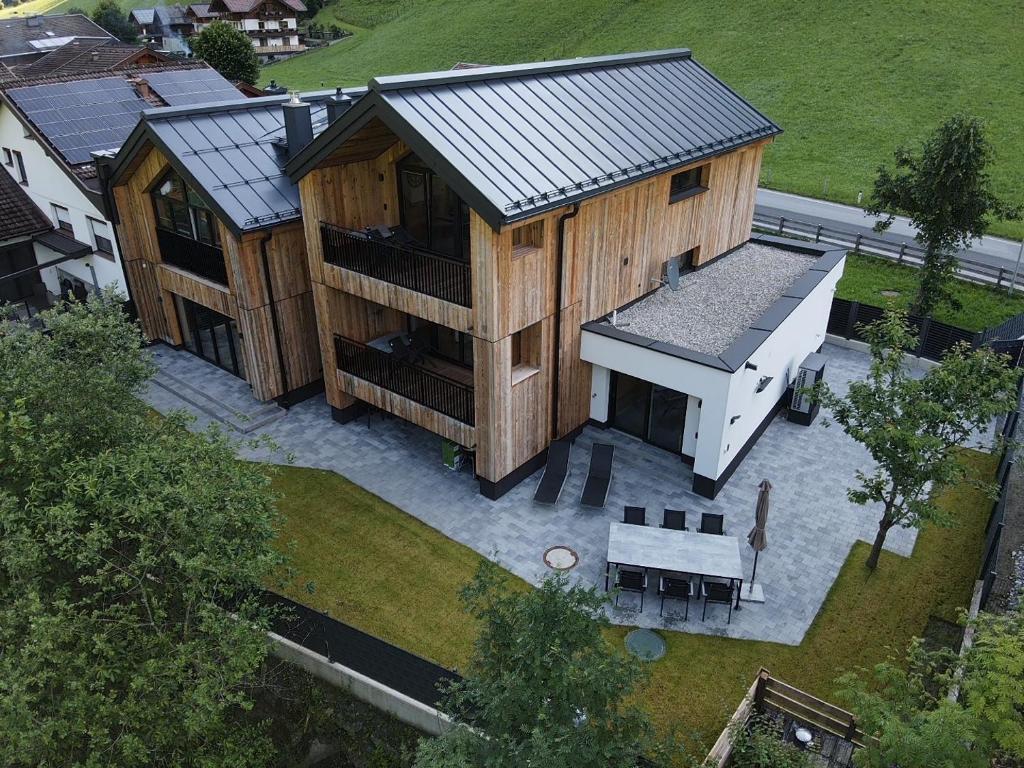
635,516
675,519
599,477
400,349
675,588
716,592
711,523
628,580
419,346
551,483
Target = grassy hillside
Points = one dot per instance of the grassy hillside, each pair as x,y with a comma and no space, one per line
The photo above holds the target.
847,81
33,7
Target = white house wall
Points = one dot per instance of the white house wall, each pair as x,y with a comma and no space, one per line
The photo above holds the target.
49,184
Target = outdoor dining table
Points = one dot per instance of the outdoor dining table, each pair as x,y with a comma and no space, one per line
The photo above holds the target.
666,549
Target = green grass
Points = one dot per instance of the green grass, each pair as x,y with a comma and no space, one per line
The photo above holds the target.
382,570
865,277
33,7
847,81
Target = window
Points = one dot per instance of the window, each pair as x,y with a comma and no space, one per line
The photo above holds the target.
430,210
100,236
526,352
527,238
20,167
63,219
180,210
8,157
688,183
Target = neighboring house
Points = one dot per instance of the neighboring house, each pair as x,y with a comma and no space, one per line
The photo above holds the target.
50,129
271,24
214,243
200,16
23,40
143,21
508,218
27,237
80,56
166,27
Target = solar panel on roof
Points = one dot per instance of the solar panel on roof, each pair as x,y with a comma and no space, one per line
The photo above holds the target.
192,86
81,117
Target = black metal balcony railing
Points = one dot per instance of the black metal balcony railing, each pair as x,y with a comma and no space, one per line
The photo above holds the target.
417,269
192,256
437,392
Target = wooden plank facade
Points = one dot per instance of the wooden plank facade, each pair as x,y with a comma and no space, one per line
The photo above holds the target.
525,332
271,302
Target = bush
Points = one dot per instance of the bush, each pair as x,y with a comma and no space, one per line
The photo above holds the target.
759,744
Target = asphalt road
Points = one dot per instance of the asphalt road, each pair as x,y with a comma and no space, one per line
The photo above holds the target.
995,251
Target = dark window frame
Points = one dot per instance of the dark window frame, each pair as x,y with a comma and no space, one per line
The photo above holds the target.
184,215
689,183
96,238
69,228
20,164
8,157
463,238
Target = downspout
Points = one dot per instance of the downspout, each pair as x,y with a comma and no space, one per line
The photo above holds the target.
556,373
273,318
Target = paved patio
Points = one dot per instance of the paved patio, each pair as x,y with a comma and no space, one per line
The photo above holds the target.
810,530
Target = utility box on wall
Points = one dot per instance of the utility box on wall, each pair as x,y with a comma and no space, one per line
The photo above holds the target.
803,408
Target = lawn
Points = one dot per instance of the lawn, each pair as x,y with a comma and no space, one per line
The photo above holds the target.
387,573
33,7
847,81
865,277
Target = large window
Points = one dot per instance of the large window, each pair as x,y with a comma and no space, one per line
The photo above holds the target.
432,213
101,236
62,217
688,183
181,210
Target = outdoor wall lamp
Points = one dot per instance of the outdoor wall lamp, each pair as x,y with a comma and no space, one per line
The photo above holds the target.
750,366
763,383
734,419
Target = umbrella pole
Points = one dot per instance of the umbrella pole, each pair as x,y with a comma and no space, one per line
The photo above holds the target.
752,575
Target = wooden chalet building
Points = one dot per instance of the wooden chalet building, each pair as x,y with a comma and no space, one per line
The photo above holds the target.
492,218
272,25
214,247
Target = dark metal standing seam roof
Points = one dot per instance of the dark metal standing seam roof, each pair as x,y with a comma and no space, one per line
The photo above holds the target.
533,137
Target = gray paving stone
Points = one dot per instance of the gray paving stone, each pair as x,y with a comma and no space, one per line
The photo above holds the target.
811,526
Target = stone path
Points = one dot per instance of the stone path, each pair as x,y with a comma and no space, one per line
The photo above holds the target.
810,530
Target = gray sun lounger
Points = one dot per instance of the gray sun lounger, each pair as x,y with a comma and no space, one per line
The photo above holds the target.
557,469
595,492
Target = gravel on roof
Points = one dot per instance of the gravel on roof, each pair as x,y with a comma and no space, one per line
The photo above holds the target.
717,303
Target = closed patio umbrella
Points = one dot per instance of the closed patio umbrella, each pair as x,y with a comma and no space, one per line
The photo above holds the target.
757,538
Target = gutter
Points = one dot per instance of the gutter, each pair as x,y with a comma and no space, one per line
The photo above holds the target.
556,372
273,315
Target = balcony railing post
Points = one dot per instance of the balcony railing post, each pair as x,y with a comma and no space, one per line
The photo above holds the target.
417,269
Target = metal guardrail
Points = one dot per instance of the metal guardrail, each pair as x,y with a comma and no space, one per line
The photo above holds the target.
437,392
409,266
192,256
907,253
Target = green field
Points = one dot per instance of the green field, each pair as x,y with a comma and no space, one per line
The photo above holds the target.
846,81
33,7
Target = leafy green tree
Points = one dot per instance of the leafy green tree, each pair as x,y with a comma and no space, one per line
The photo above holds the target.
228,50
544,687
912,427
109,15
121,538
993,681
946,192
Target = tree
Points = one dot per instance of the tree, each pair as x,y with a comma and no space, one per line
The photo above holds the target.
228,50
993,681
109,15
912,427
544,687
122,536
947,193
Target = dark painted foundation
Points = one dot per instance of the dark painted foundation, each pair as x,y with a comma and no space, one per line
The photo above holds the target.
300,394
710,487
496,489
349,413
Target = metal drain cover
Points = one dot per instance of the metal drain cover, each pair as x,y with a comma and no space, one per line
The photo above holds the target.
645,644
560,558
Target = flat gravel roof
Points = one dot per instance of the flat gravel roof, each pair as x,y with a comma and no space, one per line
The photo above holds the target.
716,304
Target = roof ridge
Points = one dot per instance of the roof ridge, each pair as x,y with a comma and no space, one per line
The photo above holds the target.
102,74
448,76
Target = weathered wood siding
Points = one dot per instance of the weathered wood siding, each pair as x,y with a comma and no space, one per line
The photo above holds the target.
246,298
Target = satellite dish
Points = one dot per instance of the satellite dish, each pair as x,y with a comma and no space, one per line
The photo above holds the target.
673,273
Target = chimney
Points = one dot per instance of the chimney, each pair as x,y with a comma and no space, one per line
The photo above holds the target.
337,105
141,87
34,21
298,124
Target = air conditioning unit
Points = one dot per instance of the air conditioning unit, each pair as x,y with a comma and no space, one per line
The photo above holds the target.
803,408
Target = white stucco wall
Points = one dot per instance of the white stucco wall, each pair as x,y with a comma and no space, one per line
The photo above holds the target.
716,396
49,184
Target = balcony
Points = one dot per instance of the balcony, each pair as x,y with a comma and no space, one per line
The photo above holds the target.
192,256
402,264
428,388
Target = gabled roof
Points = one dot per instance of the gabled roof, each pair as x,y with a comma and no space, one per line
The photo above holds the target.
202,11
231,154
39,34
246,6
87,56
76,115
19,216
143,15
514,141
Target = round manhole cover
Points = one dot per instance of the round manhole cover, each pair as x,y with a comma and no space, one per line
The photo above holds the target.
645,644
560,558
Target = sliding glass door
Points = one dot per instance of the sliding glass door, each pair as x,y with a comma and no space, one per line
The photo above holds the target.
210,335
651,412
